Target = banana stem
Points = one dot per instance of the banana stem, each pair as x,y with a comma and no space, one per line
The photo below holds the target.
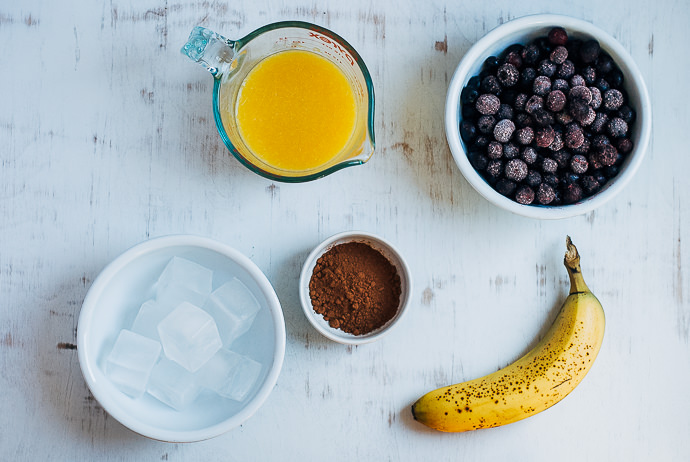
572,264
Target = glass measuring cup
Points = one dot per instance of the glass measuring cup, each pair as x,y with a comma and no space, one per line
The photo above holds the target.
230,61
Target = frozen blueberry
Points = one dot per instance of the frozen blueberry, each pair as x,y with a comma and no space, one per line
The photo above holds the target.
589,118
626,113
596,97
558,36
599,141
546,68
468,111
503,130
469,95
524,195
559,55
491,63
612,170
562,158
600,122
557,143
624,145
543,137
589,51
486,124
530,54
516,170
474,82
524,135
482,141
566,70
570,177
555,101
590,75
578,108
615,78
478,160
542,117
572,193
523,119
602,84
560,84
494,150
617,128
613,99
508,75
541,85
590,184
490,84
552,179
584,148
577,80
545,194
510,150
549,165
607,155
533,178
529,155
527,76
514,57
579,164
494,169
580,93
520,100
535,102
505,186
468,131
564,118
488,104
505,111
604,63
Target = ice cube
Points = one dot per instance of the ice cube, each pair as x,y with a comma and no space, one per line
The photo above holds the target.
234,308
173,384
184,280
172,295
189,336
130,362
230,374
150,314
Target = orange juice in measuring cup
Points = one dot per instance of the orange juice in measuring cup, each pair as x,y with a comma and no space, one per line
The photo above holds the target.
292,101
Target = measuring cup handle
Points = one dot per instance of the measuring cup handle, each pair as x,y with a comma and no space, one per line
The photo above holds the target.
211,50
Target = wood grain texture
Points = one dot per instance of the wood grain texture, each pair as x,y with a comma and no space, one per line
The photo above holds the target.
107,139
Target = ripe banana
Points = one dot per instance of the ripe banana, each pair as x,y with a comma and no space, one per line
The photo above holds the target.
533,383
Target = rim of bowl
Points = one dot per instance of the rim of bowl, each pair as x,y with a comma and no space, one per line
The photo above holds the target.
316,319
525,25
90,304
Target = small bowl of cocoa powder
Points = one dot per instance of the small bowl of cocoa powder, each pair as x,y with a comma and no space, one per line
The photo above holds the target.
354,287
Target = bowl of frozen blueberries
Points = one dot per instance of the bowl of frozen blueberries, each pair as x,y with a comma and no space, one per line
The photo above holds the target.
181,338
548,116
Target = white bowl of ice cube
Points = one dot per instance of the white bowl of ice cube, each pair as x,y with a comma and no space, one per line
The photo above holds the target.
181,338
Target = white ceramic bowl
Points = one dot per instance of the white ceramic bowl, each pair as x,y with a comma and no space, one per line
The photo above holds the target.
111,305
524,30
387,250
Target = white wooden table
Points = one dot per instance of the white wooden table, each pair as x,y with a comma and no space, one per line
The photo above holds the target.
107,139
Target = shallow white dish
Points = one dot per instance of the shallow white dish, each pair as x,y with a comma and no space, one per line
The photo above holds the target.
111,304
389,251
523,30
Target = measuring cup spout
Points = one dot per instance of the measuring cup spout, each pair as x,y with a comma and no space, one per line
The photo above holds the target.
211,50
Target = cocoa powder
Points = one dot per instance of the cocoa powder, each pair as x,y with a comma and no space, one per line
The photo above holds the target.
355,288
